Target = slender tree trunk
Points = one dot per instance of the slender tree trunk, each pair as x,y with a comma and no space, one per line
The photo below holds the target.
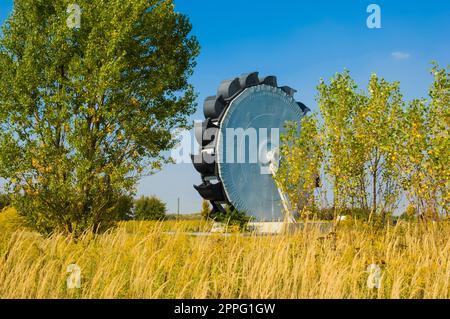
374,182
374,190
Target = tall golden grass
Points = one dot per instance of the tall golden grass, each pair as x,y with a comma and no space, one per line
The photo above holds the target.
143,260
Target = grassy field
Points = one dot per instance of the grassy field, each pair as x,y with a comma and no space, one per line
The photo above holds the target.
141,260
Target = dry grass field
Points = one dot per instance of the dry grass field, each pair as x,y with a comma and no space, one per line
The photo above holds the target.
143,260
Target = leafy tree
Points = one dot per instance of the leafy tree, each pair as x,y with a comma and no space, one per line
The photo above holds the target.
301,161
85,112
377,131
412,152
439,141
361,132
149,208
373,149
339,103
424,159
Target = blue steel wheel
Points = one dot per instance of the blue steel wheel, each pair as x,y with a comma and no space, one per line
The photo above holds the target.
248,185
254,105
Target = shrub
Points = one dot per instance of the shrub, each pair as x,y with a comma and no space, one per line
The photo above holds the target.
5,201
124,208
410,213
231,217
206,210
149,208
10,221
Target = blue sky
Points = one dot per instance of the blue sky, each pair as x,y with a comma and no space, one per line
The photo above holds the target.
300,42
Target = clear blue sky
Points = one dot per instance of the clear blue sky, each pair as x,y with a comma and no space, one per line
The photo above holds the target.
300,42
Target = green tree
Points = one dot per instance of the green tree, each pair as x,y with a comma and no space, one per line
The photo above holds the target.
377,131
373,149
439,141
301,162
361,132
424,154
85,112
412,153
340,101
149,208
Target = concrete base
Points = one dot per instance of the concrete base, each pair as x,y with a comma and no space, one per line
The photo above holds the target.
219,228
286,228
268,228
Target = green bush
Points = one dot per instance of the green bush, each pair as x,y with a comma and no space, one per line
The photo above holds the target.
206,210
124,208
323,214
10,221
231,217
5,201
149,208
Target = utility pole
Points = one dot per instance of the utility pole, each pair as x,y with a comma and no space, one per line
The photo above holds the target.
178,207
